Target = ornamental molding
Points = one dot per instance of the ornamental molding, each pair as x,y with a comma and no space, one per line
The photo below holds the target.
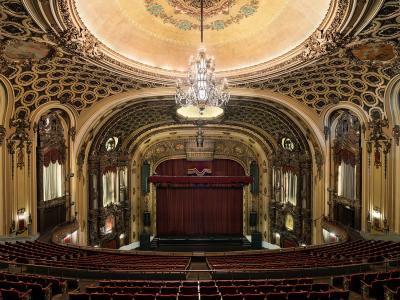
80,42
222,149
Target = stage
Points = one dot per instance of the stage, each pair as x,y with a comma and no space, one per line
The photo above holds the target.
214,243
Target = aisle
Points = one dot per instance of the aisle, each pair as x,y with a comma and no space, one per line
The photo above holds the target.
198,264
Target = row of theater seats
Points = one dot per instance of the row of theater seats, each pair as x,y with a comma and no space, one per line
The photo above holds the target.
25,252
378,285
41,253
285,289
325,256
363,250
35,287
125,262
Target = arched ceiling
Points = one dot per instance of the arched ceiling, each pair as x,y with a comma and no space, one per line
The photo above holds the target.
265,119
46,57
238,33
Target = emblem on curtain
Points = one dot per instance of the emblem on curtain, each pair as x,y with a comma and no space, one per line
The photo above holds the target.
196,172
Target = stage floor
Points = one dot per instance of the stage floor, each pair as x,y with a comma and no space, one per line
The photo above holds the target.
200,243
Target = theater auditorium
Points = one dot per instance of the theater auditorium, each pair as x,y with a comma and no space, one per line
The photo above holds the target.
199,149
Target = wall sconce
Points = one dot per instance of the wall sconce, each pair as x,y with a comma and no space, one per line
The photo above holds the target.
376,214
21,216
376,217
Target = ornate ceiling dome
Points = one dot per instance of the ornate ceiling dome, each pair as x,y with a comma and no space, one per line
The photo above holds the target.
165,33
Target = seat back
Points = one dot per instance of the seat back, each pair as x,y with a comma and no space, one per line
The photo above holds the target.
188,290
79,296
297,295
100,296
339,295
254,296
318,295
227,290
276,296
166,296
10,294
210,297
208,290
122,296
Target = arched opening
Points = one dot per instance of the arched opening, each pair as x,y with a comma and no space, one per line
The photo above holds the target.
345,173
52,168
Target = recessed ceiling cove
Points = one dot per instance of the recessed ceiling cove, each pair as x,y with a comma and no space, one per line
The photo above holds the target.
238,33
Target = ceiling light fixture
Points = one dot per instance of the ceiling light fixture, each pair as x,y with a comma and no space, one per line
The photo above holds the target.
201,96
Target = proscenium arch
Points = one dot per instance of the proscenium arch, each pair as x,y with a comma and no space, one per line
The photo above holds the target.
242,134
251,113
89,119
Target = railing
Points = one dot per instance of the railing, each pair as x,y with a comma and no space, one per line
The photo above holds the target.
200,253
299,272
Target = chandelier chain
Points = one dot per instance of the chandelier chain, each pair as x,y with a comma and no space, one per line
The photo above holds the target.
202,89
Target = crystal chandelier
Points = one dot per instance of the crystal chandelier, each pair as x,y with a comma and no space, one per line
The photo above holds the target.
201,96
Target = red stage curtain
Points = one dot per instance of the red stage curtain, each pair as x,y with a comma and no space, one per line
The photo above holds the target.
199,211
228,180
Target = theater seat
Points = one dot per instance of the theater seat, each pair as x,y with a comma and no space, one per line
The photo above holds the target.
268,288
190,283
100,296
232,297
124,297
297,295
318,295
208,290
169,290
94,289
13,294
254,296
79,296
339,295
166,296
144,296
210,297
276,296
187,297
207,283
110,290
246,289
188,290
227,290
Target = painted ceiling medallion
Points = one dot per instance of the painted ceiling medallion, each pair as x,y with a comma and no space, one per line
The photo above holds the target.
374,52
211,7
246,39
19,51
184,14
